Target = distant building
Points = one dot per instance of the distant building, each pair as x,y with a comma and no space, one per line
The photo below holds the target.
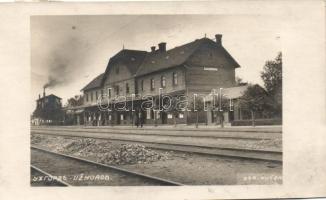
48,110
194,68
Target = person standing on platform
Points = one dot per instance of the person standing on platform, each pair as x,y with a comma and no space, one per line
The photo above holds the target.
137,118
141,119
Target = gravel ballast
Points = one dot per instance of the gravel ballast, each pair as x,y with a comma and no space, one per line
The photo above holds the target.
103,151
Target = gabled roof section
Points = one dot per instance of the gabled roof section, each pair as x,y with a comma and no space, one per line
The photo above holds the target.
234,92
95,83
158,60
229,93
130,58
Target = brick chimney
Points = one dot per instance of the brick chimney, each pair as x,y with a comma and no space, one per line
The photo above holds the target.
44,92
39,96
218,38
162,46
153,48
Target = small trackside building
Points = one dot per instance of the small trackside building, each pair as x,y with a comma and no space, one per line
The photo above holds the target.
48,110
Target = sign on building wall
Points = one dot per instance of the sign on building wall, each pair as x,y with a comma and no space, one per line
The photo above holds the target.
210,69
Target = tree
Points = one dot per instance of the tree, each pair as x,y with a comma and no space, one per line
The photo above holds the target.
239,81
256,99
272,77
77,100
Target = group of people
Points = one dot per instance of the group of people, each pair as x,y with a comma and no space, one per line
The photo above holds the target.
139,120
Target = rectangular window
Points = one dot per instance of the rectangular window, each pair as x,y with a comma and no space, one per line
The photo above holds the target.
127,88
142,85
86,97
175,78
152,84
117,89
181,115
148,114
163,82
169,116
91,96
109,89
122,117
152,114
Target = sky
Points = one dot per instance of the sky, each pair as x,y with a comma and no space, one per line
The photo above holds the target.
67,52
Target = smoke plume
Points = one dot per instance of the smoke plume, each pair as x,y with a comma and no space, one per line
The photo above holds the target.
64,61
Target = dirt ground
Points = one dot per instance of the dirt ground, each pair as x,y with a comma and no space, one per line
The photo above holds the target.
194,169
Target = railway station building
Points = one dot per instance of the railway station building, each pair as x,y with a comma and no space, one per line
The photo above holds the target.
192,69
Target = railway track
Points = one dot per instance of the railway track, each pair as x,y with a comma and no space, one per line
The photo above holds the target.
175,133
79,171
42,178
252,154
177,128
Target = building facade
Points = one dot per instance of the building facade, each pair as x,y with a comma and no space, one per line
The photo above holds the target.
181,72
48,110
